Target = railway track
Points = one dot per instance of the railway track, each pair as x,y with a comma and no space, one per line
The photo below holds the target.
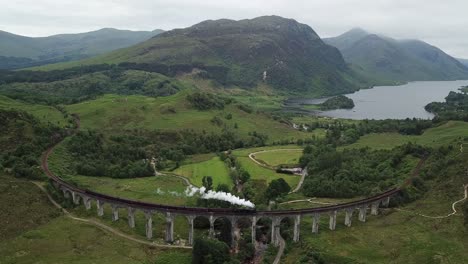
213,211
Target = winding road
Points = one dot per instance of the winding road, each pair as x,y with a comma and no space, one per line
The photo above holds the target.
252,156
304,172
282,245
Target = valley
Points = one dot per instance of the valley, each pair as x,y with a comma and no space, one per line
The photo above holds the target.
231,142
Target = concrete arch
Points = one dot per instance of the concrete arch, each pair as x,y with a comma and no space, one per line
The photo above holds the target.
66,192
224,228
286,227
263,228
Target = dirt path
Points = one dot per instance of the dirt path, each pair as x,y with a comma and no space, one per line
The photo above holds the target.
301,181
280,250
303,174
454,209
307,200
252,156
103,226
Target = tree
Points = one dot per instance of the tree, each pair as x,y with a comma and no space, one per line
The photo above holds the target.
208,251
207,183
222,188
277,188
244,176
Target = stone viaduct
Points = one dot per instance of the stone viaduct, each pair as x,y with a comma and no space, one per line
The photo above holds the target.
360,207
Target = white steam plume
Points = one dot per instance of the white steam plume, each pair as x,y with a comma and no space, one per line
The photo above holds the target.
222,196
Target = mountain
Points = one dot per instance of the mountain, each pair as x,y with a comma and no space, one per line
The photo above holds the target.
285,54
464,62
19,51
389,60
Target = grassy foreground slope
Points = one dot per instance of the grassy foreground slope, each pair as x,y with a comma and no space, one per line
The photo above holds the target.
23,207
32,230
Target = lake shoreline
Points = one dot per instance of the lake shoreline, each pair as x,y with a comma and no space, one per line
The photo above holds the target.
383,102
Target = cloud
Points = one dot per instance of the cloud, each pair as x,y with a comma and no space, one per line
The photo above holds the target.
441,23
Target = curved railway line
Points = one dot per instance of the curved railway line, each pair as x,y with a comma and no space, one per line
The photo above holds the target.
182,209
233,215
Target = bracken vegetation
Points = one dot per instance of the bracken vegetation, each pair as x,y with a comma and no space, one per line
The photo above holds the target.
25,137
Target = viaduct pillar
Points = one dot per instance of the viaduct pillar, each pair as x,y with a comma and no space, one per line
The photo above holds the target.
332,222
386,202
297,228
190,219
349,216
233,221
254,229
275,228
212,231
131,217
76,198
87,202
362,213
149,224
169,227
100,207
115,213
375,208
315,223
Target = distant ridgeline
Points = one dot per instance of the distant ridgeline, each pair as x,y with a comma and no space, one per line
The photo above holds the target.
280,52
20,51
391,61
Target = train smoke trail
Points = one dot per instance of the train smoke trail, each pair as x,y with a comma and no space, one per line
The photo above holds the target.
222,196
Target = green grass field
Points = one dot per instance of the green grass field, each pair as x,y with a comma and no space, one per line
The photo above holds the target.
213,167
155,189
244,152
438,136
144,189
279,157
260,173
42,112
114,112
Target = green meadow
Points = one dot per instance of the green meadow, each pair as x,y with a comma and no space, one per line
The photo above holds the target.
116,112
280,157
42,112
438,136
213,167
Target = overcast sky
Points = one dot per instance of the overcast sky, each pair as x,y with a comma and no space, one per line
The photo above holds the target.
441,23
